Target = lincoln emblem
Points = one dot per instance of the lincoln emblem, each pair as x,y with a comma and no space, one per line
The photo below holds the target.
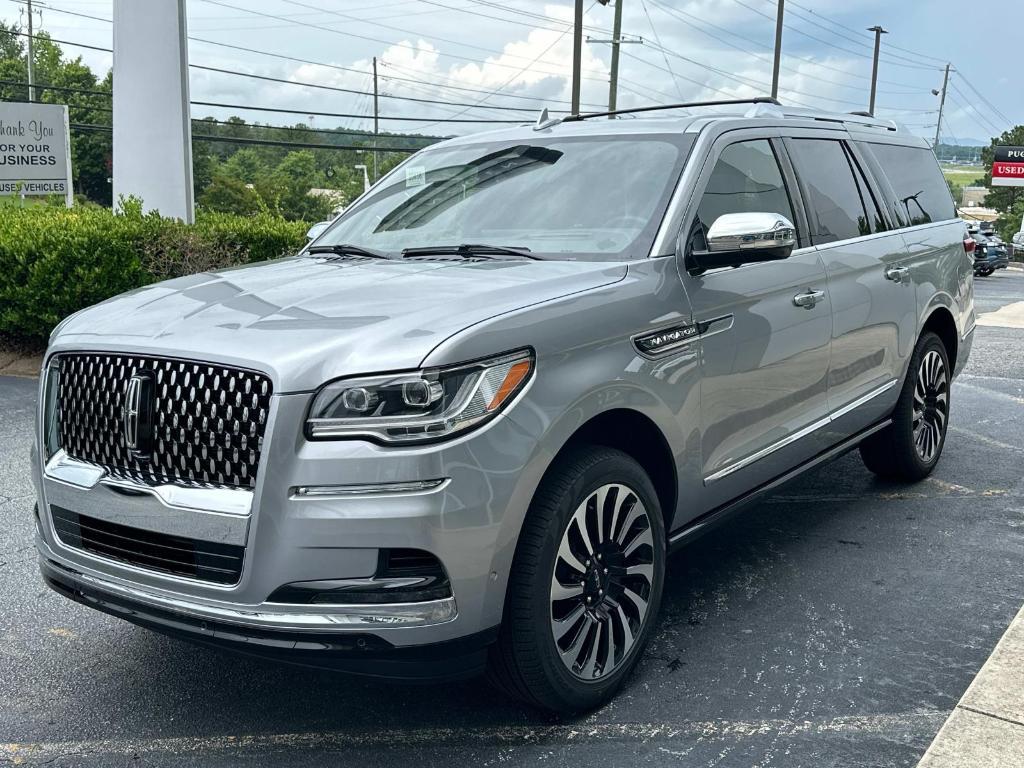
137,415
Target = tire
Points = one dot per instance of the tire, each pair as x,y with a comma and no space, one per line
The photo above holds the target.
910,447
602,640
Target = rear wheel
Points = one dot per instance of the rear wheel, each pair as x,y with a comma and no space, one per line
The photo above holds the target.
586,583
910,447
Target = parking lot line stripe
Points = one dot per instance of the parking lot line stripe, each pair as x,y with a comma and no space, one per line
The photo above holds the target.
985,440
991,392
499,735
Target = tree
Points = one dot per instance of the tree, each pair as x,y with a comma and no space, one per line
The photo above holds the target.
248,165
229,195
286,189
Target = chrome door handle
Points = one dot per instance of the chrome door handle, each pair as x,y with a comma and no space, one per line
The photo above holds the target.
809,299
897,274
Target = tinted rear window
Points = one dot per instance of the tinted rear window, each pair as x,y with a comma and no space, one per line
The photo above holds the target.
838,209
922,195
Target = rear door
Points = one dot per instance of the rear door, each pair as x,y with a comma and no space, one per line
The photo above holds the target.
764,359
869,280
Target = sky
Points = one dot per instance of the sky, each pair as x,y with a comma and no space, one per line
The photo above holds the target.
493,60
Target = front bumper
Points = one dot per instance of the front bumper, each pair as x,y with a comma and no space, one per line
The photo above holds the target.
470,523
274,636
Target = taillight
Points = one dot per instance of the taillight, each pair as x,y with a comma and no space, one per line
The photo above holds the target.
969,245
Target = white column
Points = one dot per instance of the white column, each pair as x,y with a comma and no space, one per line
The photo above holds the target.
152,126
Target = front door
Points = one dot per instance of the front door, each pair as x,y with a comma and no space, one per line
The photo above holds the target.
765,331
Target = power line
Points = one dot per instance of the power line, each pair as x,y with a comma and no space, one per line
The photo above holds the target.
886,54
966,106
981,96
393,44
313,26
300,83
261,142
657,39
448,87
339,89
851,29
329,131
301,60
348,114
695,22
825,42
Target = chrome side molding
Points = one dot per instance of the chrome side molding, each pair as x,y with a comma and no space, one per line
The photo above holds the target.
746,461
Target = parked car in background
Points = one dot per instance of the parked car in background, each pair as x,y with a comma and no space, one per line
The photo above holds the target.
1016,246
990,253
462,429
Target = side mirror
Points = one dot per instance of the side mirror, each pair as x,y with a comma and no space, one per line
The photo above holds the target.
744,238
317,229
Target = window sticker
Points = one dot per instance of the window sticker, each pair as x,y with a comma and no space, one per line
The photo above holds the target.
415,176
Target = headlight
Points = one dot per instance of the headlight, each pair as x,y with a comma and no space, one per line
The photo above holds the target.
51,386
419,406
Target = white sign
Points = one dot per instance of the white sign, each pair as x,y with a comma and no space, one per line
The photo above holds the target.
35,151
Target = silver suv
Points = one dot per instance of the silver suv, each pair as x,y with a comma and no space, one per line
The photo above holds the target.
463,428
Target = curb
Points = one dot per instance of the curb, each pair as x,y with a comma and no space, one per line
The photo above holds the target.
986,728
16,364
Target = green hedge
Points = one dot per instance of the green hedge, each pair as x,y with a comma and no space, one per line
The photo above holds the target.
55,261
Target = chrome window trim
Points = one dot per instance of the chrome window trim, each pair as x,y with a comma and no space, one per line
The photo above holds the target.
799,434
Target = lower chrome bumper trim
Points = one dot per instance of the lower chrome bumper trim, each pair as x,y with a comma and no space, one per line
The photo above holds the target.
278,616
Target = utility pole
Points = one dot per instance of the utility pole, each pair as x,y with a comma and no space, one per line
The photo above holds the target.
616,41
31,55
577,56
874,67
613,82
376,119
778,50
942,104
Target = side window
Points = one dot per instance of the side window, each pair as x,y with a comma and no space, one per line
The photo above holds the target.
838,198
922,195
870,204
746,179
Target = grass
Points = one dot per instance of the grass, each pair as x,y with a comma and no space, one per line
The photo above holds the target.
964,175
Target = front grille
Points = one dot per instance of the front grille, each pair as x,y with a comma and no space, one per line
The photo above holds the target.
204,560
208,421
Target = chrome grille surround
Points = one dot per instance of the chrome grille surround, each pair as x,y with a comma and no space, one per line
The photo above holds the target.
208,420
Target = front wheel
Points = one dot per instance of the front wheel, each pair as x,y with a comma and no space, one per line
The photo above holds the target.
910,447
585,586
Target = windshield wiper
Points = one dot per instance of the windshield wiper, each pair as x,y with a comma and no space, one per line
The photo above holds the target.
470,250
344,249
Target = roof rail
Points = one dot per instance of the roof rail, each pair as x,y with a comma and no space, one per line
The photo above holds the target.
849,118
683,105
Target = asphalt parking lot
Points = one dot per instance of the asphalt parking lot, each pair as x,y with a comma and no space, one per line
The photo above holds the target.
836,624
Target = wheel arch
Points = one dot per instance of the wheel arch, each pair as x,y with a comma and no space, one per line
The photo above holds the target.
940,321
636,435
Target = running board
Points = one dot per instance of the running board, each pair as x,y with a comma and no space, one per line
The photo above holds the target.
710,520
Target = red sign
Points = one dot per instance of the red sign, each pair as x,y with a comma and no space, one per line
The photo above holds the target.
1008,167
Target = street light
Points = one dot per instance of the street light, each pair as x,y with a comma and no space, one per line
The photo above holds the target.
366,176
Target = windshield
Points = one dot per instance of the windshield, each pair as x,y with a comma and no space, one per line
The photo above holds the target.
586,197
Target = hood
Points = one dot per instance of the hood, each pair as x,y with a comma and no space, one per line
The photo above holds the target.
307,320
